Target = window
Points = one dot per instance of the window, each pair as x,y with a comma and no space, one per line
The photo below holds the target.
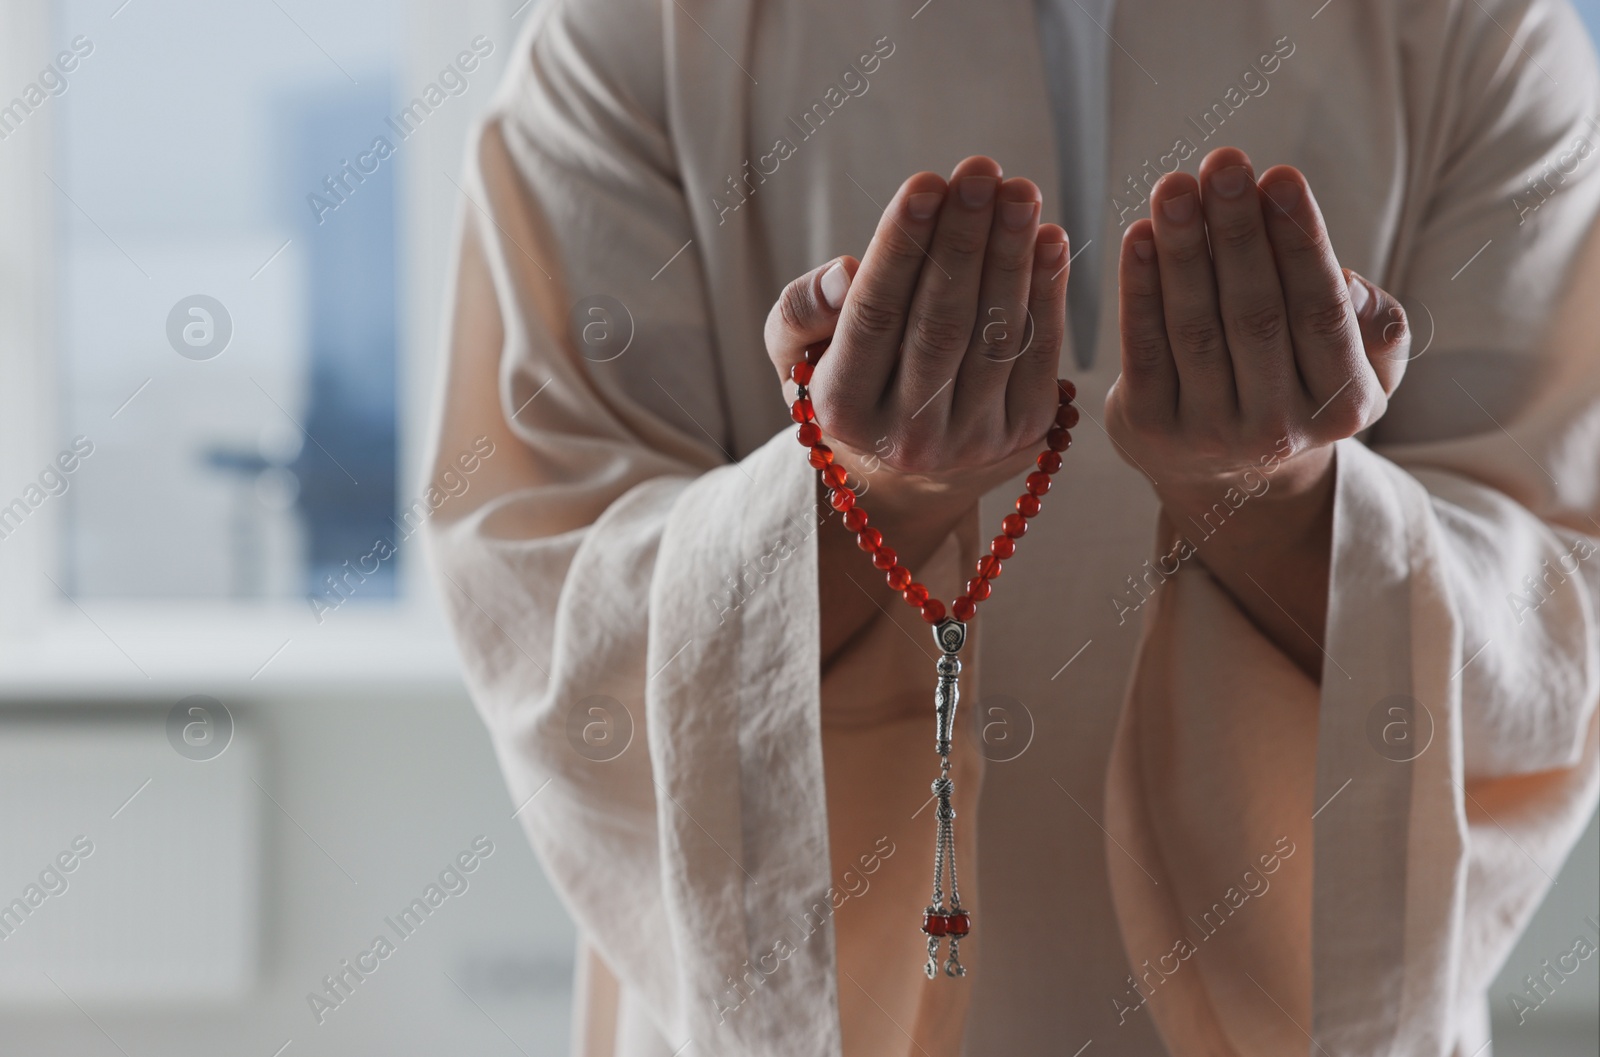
226,296
226,234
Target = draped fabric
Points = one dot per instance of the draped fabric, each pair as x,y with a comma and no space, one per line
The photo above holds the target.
740,831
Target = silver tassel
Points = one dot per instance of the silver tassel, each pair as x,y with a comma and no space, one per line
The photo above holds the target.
941,919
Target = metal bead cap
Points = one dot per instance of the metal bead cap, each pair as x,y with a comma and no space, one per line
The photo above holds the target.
949,634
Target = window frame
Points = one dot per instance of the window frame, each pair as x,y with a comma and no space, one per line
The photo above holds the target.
52,645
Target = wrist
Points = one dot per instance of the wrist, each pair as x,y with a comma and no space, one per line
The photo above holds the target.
916,511
1279,505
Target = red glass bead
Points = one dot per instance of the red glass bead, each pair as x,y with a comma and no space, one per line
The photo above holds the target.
935,924
933,611
855,519
1066,416
963,608
821,456
978,589
989,567
814,353
801,411
801,373
834,475
885,558
1038,483
1014,525
1049,461
869,539
810,434
916,594
1028,505
1066,390
899,577
958,924
1005,546
1058,439
842,499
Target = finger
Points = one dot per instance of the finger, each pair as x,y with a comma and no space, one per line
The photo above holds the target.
1385,330
940,323
1189,303
807,312
1327,341
1254,318
1001,326
1030,388
1149,382
872,322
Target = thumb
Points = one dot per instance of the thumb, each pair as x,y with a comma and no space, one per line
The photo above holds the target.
1385,330
807,312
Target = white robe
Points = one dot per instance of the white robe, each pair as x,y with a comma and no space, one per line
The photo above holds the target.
1173,747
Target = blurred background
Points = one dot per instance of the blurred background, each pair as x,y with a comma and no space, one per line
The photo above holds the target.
234,746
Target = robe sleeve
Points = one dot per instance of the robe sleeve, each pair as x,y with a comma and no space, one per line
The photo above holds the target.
635,606
626,545
1429,789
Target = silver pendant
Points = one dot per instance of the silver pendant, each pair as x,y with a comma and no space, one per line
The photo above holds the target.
943,919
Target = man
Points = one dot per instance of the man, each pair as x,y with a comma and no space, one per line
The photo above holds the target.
1285,712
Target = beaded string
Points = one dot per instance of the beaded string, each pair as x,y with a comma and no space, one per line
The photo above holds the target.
941,918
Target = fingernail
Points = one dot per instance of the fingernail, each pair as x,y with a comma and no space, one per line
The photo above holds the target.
924,204
1179,209
976,191
1230,182
1144,249
1050,253
1360,296
1286,193
835,281
1015,215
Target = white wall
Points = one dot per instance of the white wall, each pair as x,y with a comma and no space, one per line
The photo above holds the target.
388,787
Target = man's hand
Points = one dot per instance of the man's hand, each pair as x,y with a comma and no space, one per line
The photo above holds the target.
940,375
1246,347
945,339
1242,336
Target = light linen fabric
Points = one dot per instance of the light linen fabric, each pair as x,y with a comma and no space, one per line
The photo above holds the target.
748,871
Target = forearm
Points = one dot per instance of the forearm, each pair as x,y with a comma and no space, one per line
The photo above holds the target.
853,591
1272,553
